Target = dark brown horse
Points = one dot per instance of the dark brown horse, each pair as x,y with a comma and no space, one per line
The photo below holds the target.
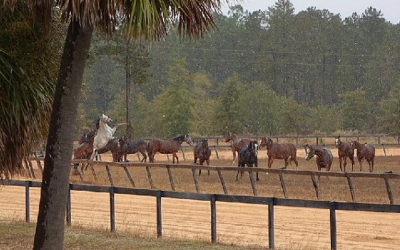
202,152
345,150
237,143
248,156
365,151
279,151
131,146
169,146
324,156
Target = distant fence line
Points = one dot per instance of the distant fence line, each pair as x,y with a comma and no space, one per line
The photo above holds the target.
376,140
213,198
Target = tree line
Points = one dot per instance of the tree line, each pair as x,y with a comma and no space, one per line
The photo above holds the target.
269,71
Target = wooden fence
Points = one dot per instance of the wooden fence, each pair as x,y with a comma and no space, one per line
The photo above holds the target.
270,202
385,177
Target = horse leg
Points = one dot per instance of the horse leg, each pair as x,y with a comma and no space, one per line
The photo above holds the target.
256,165
237,174
340,163
352,162
234,155
359,161
270,161
344,165
295,161
144,157
371,164
286,163
208,164
174,155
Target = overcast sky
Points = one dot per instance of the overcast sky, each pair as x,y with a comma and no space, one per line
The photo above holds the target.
389,8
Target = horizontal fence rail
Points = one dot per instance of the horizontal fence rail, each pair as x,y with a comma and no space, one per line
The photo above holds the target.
270,202
349,176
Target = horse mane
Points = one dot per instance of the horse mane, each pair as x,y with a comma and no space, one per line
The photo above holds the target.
180,138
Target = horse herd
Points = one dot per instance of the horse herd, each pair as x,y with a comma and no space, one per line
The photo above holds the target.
101,139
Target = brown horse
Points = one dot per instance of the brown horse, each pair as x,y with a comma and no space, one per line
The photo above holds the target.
365,151
169,146
345,150
279,151
237,143
202,152
131,146
324,156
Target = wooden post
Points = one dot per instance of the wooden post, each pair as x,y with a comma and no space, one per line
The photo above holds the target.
159,218
216,148
221,178
315,184
171,180
384,149
213,219
39,164
109,175
129,176
389,190
271,235
253,184
68,215
196,183
353,194
93,172
216,151
332,212
27,205
149,176
283,185
31,168
112,210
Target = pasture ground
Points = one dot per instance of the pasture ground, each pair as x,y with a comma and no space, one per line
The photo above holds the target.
239,224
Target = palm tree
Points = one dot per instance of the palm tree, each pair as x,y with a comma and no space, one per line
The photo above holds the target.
146,20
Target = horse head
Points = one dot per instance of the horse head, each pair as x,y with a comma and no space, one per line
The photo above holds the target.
310,152
338,141
204,143
253,147
228,137
263,141
104,119
188,140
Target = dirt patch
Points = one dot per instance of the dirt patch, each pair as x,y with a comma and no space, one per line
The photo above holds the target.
242,224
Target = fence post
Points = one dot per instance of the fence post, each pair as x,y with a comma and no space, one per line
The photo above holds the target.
112,209
27,210
389,190
271,235
109,176
213,219
332,212
159,218
196,183
68,219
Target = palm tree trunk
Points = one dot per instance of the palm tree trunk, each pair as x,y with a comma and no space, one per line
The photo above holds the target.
50,224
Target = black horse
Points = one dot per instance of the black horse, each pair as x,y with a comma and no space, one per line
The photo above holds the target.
248,156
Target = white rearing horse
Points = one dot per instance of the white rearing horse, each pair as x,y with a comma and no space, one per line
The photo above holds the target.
104,134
